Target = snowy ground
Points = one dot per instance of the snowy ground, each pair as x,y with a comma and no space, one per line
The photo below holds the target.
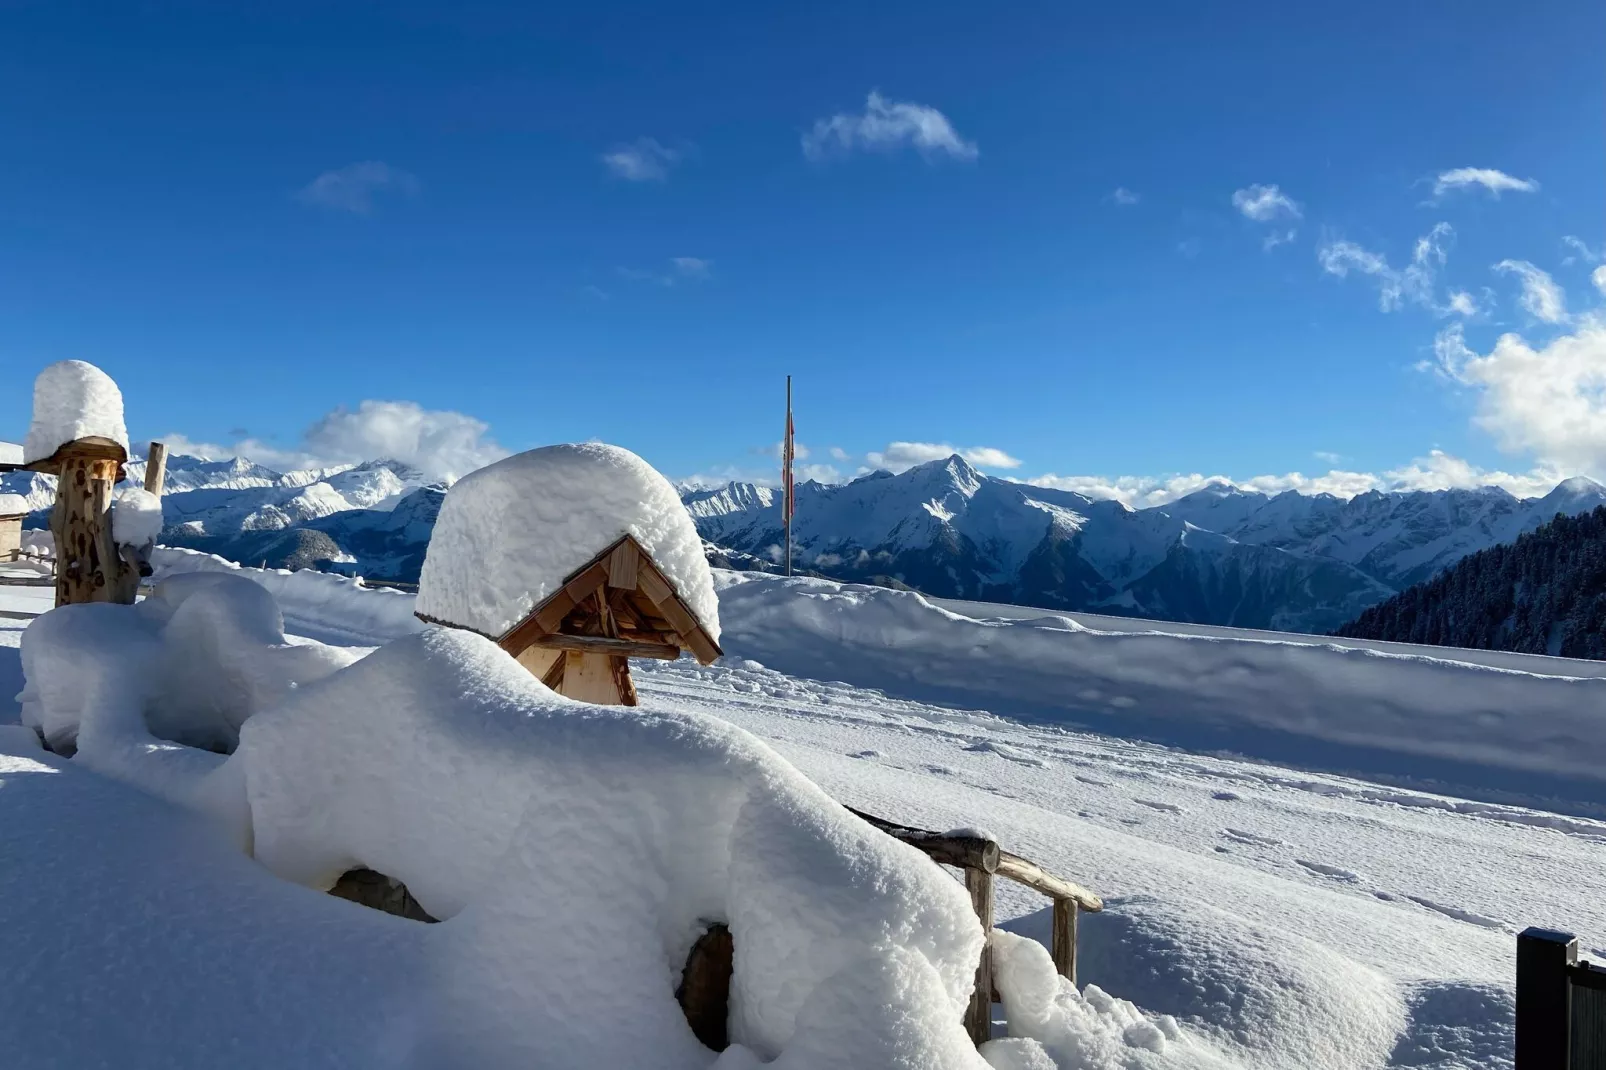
1296,918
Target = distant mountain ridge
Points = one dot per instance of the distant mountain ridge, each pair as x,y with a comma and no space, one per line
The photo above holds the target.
1545,593
1220,555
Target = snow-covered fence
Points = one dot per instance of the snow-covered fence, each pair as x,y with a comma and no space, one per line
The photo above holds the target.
980,858
1561,1004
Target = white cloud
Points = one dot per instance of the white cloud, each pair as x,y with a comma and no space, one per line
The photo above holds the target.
1415,283
887,125
1463,304
1265,204
1581,251
441,443
840,454
1496,182
1436,471
1278,237
1541,297
899,456
352,188
1328,457
1547,401
643,160
681,269
1124,196
1598,277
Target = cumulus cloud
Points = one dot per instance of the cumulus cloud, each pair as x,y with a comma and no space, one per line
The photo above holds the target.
1495,182
642,160
1265,204
1541,297
353,188
884,126
1547,400
900,456
1124,196
1415,283
442,444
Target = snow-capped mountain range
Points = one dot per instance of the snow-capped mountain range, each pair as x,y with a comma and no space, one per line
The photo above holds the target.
1221,555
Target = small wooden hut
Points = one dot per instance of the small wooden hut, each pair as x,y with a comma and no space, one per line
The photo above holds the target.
10,529
579,640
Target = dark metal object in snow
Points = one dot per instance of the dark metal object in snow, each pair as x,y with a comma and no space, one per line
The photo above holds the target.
1561,1004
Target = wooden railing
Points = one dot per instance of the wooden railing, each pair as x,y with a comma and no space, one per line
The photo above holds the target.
982,859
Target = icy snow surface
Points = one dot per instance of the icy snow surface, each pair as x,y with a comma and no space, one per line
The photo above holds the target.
73,399
510,533
136,517
1281,918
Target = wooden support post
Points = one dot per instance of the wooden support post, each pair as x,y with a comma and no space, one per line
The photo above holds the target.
705,986
89,568
156,468
1543,1019
979,1015
1064,938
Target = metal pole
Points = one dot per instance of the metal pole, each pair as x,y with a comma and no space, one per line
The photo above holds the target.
786,505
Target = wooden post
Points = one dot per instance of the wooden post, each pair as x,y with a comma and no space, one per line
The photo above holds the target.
1064,938
979,1015
156,468
705,986
1543,1020
89,568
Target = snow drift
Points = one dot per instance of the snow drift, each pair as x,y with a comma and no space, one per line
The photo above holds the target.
73,399
510,533
1051,666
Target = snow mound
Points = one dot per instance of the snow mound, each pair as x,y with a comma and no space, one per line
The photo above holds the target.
316,603
1087,1030
73,399
187,665
13,505
1288,1000
510,533
136,517
577,852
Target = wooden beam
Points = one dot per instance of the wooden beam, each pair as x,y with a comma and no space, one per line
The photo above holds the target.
1032,875
598,644
963,852
1064,938
663,596
979,1015
589,678
156,468
622,565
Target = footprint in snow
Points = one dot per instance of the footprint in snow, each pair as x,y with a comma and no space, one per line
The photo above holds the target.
1226,796
1164,806
865,754
942,770
1336,872
1095,783
1457,913
1240,836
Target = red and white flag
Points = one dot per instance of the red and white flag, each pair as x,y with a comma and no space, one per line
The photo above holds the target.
789,502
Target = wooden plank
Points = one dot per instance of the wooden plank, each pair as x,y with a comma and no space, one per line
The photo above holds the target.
538,660
1064,938
622,565
156,468
599,644
705,985
979,1015
663,596
589,678
1034,876
622,680
11,614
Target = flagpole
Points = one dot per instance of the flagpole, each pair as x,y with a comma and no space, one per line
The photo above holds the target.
786,505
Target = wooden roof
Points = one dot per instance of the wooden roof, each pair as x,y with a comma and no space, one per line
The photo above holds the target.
93,448
616,603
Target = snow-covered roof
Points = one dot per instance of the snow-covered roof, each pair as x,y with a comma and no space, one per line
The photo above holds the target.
13,505
511,533
10,453
73,399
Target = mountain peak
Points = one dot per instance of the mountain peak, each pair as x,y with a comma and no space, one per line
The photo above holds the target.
1575,488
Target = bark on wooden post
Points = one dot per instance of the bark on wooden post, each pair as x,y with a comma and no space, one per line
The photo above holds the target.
88,566
156,468
1064,938
979,1015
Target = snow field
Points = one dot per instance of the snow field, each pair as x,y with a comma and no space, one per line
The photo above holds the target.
510,533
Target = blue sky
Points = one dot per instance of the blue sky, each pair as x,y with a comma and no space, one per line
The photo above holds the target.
538,224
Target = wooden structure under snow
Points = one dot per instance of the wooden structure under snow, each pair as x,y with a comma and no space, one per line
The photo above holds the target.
89,565
579,640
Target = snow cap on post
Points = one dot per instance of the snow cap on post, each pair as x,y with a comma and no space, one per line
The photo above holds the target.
136,518
73,400
511,534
